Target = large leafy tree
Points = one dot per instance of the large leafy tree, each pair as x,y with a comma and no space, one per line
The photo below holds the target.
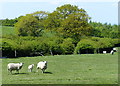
28,26
75,26
31,24
69,21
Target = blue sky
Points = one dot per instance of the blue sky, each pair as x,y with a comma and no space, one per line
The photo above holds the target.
104,12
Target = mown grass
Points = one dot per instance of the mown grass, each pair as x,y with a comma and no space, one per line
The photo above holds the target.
66,69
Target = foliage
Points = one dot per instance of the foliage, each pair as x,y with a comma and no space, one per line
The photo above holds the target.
68,46
15,46
104,30
69,21
94,44
30,46
28,26
84,44
9,22
74,27
40,15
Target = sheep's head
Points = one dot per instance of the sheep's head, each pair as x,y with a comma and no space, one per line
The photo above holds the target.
21,64
45,61
32,64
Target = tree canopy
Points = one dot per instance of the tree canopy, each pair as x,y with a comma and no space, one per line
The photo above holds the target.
28,26
69,21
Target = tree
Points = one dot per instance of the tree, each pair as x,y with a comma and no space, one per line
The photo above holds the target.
41,15
69,21
9,22
68,46
86,45
75,26
28,26
104,30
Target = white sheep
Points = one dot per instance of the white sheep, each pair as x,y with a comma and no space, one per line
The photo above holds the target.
42,65
14,66
112,52
30,67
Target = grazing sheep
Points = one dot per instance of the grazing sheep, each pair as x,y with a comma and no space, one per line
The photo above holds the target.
114,49
30,67
14,66
112,52
42,65
104,52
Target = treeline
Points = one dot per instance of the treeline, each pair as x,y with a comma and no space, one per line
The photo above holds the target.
67,30
104,30
99,29
39,46
9,22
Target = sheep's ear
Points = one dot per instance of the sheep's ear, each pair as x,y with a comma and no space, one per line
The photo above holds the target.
21,63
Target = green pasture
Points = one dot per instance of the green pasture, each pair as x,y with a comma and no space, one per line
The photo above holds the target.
7,30
65,69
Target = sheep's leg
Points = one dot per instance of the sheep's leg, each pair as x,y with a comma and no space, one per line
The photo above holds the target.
31,70
42,70
37,69
17,71
9,71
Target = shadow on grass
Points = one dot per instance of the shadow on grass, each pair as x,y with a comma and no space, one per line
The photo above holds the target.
19,73
48,73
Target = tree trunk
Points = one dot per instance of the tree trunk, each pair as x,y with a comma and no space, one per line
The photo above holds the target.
15,53
51,52
95,51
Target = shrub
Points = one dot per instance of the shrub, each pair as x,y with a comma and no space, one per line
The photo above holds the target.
94,45
85,45
68,46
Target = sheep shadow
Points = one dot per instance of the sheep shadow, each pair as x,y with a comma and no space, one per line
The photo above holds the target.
48,73
19,73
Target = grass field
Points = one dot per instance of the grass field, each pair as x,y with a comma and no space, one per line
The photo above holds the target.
7,30
66,69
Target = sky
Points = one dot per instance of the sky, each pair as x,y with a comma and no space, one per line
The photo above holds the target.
104,11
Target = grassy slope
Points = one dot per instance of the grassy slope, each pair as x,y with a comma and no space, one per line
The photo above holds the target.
7,30
66,69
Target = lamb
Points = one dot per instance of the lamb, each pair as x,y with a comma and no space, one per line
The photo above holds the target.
42,65
14,66
30,67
